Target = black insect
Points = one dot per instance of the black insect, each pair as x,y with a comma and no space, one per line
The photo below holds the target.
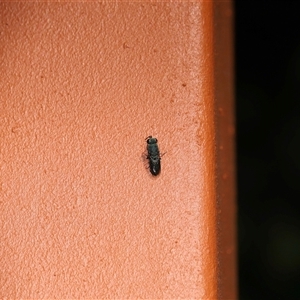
153,155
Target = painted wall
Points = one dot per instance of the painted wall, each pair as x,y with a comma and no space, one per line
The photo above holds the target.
82,86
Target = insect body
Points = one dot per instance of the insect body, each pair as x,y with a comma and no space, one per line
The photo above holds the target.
153,155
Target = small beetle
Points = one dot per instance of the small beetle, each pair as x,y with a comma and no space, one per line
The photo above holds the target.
153,155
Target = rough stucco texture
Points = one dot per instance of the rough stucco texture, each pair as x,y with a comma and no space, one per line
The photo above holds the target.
82,86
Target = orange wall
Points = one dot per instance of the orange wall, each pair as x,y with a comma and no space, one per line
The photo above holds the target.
82,86
225,158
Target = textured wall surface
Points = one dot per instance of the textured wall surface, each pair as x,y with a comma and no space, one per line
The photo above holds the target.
82,86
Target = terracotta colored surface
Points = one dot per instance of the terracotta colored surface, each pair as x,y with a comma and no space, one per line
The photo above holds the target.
225,134
82,86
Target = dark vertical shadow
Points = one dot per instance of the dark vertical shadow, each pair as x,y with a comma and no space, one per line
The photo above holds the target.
268,148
